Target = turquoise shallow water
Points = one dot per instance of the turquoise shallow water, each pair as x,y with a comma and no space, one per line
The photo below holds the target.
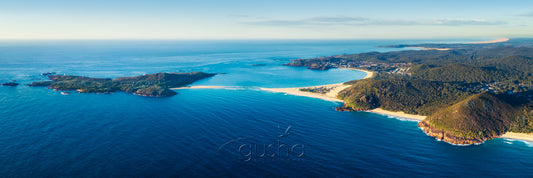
212,132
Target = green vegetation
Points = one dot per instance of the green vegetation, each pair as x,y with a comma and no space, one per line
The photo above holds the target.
154,85
403,94
478,117
471,93
523,122
321,90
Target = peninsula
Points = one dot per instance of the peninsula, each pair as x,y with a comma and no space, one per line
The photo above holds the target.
470,92
152,85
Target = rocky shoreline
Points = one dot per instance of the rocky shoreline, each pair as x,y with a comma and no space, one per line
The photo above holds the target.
345,108
446,137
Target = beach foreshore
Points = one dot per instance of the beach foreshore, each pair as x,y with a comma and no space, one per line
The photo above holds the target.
398,114
518,136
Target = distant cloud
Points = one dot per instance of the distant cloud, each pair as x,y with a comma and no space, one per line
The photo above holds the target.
530,14
238,16
359,21
455,22
311,21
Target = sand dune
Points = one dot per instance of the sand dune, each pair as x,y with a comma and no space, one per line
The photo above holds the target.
492,41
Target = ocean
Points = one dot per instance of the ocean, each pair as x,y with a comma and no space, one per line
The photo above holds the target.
239,131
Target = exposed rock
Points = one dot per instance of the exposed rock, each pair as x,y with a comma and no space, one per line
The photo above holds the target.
446,137
11,84
48,73
348,109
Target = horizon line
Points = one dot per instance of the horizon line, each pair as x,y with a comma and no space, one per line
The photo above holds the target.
243,39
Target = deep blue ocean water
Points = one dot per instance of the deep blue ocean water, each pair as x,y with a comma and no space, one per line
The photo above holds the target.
241,131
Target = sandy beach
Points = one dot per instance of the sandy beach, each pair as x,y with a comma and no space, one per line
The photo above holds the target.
369,74
334,89
518,136
493,41
398,114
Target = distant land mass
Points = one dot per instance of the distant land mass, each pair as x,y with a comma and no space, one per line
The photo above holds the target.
11,84
471,92
152,85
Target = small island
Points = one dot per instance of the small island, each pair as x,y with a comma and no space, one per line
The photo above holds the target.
10,84
151,85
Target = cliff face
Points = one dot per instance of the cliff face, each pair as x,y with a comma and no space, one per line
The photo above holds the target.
447,137
476,119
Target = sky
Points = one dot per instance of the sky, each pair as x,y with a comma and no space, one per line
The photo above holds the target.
272,19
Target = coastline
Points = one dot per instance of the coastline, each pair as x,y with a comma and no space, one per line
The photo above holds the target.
518,136
499,40
369,74
334,90
398,114
328,96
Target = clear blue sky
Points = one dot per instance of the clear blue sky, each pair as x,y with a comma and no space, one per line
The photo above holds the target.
272,19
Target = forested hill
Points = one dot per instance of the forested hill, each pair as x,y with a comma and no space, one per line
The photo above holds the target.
153,85
494,80
392,60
